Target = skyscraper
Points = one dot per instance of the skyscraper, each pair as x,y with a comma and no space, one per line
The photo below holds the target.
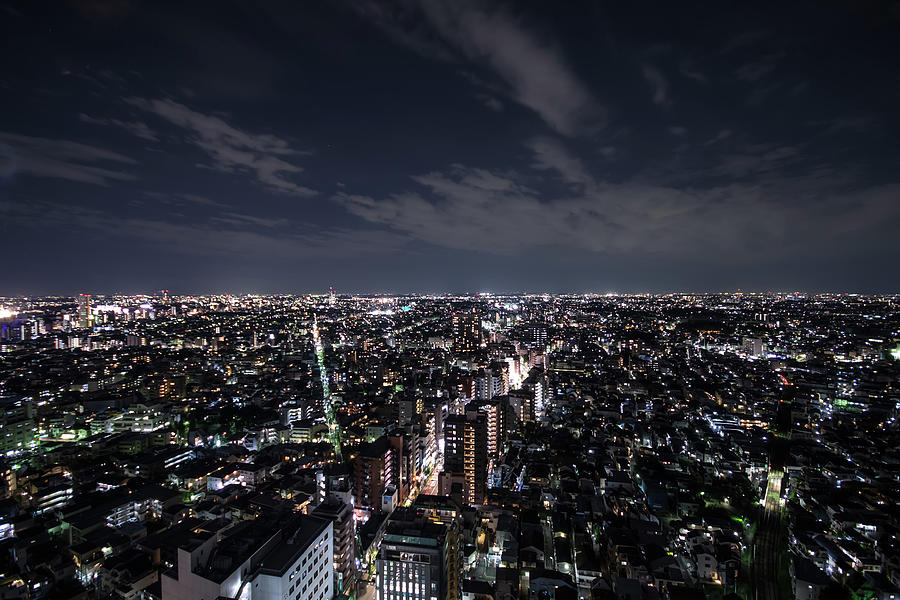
84,310
466,331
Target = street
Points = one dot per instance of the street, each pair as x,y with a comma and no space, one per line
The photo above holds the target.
765,544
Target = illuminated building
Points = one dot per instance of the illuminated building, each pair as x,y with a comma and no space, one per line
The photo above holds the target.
417,559
753,347
84,310
466,455
537,334
17,427
493,413
341,517
466,331
263,559
373,471
407,408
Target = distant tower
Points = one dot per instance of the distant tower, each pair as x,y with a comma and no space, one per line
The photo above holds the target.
330,296
84,310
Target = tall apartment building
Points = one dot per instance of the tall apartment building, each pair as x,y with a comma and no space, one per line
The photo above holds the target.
373,471
491,382
466,331
466,455
17,426
417,559
408,408
523,403
273,558
403,460
341,517
493,411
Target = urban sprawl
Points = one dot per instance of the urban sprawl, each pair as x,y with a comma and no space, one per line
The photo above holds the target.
478,447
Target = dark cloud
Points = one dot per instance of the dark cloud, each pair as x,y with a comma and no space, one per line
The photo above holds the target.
456,143
232,235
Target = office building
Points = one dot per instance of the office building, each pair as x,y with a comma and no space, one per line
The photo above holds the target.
753,347
417,559
17,426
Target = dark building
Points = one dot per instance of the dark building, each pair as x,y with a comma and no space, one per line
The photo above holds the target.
373,470
537,334
466,455
466,331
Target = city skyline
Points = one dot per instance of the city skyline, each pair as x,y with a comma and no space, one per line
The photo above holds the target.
433,146
501,447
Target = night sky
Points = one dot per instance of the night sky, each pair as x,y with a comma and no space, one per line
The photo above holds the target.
432,146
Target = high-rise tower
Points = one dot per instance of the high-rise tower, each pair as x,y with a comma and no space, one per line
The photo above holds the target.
466,455
466,331
84,310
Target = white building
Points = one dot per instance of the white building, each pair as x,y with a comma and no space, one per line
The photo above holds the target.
277,558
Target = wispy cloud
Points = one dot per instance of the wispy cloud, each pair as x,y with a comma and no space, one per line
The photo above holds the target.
552,155
138,128
723,134
237,236
749,201
184,199
754,71
532,69
61,159
230,149
687,68
491,102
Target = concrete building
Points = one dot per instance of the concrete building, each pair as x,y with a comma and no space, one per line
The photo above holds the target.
373,471
466,455
417,559
264,559
341,517
17,426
